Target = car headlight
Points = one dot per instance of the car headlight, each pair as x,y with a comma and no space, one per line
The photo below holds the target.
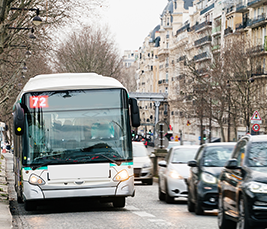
257,187
147,165
36,180
208,178
122,176
175,175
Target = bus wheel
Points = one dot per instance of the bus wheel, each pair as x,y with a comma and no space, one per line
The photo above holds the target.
119,202
30,205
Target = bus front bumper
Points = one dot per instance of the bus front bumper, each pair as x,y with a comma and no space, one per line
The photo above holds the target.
35,192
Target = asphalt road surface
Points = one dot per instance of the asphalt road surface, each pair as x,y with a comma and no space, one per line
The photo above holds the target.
142,211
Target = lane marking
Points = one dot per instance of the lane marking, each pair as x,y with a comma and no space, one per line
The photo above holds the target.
143,214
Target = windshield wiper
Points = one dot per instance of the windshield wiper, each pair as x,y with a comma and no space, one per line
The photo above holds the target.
113,161
34,167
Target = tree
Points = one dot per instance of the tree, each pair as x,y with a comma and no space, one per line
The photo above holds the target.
89,50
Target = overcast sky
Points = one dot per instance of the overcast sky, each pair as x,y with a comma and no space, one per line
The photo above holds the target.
132,20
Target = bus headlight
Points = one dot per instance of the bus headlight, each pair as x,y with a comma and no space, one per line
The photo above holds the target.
36,180
122,176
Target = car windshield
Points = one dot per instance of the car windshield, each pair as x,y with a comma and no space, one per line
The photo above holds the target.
183,155
217,156
139,150
258,154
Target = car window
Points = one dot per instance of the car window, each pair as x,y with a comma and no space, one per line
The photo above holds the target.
172,144
217,156
139,150
183,155
258,154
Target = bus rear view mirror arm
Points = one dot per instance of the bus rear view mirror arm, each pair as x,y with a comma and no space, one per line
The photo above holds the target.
135,116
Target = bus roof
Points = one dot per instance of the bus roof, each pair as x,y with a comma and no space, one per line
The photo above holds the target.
69,81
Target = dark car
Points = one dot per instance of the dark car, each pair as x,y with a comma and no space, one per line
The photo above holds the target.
242,185
204,172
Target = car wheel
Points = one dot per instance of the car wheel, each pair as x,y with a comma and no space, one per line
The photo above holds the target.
190,204
161,194
30,205
242,222
119,202
224,223
169,199
198,208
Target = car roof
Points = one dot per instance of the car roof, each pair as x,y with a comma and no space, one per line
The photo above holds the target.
186,146
220,144
258,138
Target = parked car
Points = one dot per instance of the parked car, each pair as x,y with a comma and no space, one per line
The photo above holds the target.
143,166
242,186
172,172
204,173
172,144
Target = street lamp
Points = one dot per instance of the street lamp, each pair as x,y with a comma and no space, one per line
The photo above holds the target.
36,20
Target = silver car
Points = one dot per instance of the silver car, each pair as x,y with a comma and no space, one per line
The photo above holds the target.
173,170
143,166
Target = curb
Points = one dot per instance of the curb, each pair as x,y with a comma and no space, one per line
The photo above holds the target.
5,214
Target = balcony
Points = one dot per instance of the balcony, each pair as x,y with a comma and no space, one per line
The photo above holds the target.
181,58
241,26
227,31
184,28
201,71
201,57
202,41
258,21
202,26
216,30
256,3
207,9
241,7
258,49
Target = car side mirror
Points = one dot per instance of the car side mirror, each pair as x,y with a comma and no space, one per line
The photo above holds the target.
232,164
192,163
162,164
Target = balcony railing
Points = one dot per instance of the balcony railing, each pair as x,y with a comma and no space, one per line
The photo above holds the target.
184,28
207,9
256,49
240,7
251,2
200,56
258,19
228,31
202,40
242,25
203,25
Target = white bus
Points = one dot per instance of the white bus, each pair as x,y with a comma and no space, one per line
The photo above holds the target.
73,139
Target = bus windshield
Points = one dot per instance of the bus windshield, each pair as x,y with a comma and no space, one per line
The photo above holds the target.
85,126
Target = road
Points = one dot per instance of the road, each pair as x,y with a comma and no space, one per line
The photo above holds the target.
142,211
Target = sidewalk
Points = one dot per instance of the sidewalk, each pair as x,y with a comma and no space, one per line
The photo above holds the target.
5,215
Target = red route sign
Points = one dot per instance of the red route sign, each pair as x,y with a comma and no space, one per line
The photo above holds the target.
256,127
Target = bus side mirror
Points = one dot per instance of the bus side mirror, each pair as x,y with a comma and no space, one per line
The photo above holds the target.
18,120
135,116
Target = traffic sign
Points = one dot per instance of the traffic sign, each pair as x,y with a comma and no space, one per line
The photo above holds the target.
256,127
161,127
256,118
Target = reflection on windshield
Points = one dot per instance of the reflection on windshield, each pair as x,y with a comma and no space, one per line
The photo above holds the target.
217,156
68,135
258,154
183,155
